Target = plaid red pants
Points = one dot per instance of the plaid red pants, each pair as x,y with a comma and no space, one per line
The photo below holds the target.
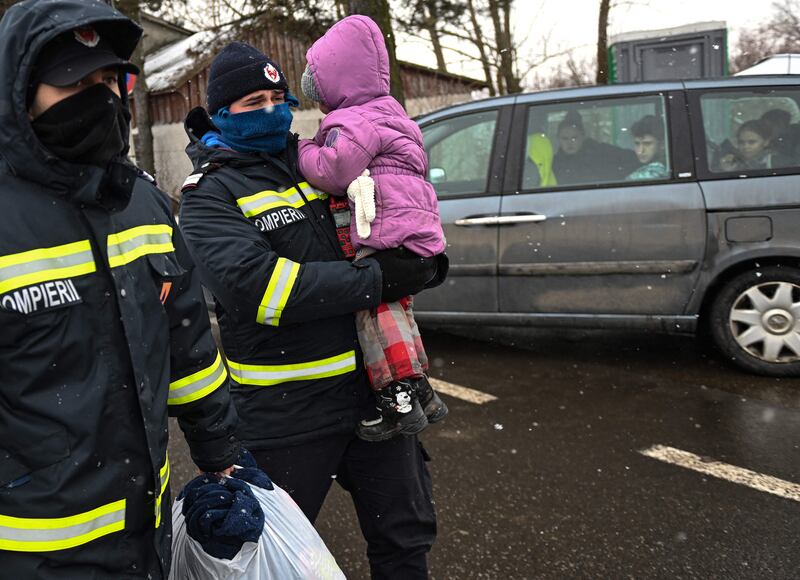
392,346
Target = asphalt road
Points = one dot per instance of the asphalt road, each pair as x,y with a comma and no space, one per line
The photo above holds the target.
549,481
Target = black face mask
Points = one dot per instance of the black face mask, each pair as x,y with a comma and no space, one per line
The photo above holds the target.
89,127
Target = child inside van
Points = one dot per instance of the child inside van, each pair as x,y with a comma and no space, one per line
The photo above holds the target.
752,148
648,144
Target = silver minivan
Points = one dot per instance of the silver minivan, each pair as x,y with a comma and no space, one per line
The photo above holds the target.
669,206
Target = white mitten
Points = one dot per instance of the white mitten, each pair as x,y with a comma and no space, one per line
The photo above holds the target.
362,192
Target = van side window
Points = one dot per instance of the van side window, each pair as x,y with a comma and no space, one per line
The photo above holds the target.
751,131
596,142
460,153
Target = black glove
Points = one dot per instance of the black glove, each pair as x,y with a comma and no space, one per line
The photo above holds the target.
403,272
442,267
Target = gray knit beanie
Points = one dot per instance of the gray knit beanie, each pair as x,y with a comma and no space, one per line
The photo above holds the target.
308,86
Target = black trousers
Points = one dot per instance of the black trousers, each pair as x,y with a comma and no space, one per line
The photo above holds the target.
391,490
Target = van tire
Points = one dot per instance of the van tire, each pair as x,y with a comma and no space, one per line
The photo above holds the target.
734,313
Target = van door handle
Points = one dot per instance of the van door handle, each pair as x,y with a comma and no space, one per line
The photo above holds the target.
520,219
501,220
490,220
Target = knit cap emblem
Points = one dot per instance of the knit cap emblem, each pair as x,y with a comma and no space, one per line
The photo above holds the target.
87,36
272,73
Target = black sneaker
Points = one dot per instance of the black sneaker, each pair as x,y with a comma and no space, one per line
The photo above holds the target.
400,414
434,408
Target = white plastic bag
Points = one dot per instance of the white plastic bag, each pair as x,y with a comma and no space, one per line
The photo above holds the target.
289,547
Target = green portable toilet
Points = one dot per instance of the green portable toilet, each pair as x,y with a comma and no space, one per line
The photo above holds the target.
693,51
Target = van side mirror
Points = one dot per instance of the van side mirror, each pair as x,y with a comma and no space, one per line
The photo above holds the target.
437,175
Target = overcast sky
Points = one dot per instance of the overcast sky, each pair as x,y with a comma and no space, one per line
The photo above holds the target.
573,23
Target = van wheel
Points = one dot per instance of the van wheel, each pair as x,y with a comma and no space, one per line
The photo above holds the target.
755,321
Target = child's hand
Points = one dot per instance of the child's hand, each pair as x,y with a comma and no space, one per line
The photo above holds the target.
729,162
362,192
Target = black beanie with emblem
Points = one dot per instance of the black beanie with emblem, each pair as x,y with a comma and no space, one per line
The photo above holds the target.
238,70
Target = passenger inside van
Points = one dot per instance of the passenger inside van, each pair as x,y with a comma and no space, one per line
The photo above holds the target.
752,148
648,144
776,121
582,160
539,163
784,137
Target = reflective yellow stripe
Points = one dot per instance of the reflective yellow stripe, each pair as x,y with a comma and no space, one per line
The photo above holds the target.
163,477
278,290
45,264
266,375
258,203
128,245
199,384
49,534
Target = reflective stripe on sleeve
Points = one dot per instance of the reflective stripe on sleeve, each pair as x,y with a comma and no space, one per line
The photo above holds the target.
163,481
45,264
49,534
199,384
128,245
278,290
266,375
258,203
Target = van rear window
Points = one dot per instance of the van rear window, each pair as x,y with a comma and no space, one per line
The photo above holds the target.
751,131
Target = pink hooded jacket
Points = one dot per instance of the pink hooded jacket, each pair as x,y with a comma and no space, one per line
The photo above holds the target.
368,129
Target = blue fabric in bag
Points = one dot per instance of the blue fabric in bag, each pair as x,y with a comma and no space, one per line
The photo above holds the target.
221,512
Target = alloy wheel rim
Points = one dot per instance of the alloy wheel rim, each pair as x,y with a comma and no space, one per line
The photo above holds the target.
765,321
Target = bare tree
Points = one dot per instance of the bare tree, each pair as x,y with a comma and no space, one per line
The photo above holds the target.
603,19
751,47
204,14
507,79
429,16
466,30
571,73
477,40
781,33
602,43
496,51
785,24
306,19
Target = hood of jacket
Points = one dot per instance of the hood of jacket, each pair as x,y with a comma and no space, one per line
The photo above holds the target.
540,151
350,63
24,30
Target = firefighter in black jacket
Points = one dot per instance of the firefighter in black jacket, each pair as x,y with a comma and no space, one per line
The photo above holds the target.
103,327
266,245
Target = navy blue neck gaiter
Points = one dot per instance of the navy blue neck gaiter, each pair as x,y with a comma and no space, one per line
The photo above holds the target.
261,130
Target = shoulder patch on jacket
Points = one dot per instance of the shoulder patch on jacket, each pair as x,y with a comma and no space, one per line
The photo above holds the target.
332,137
192,181
146,176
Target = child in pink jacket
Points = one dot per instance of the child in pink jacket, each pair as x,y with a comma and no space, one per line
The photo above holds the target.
368,149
